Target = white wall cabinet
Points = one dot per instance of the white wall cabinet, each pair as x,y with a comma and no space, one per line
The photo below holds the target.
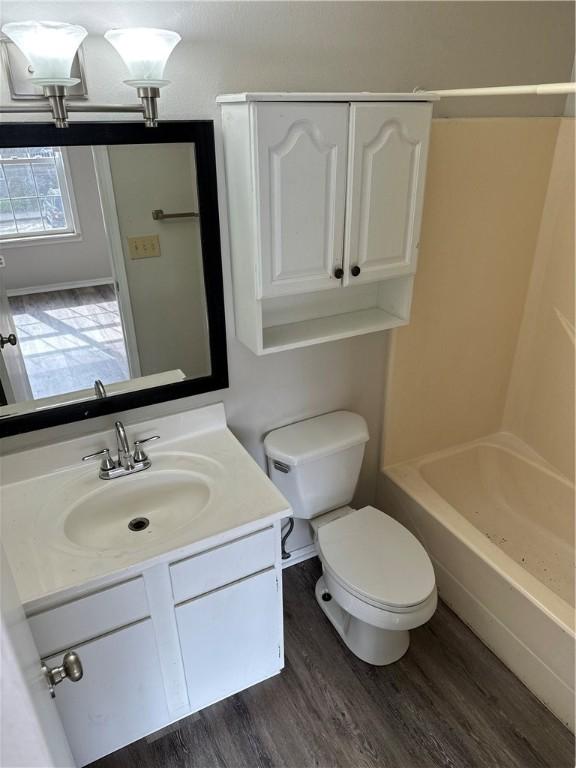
325,195
198,629
386,189
301,177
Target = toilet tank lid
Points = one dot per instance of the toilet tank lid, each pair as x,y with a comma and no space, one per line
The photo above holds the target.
315,438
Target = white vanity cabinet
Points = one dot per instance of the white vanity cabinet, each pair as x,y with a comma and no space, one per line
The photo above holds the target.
228,638
325,196
155,647
121,696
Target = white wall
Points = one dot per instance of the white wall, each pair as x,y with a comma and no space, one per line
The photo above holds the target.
166,292
318,46
333,46
33,265
25,706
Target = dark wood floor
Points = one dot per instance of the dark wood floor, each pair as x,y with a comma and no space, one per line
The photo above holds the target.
448,702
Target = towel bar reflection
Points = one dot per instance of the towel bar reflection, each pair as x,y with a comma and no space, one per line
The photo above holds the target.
158,215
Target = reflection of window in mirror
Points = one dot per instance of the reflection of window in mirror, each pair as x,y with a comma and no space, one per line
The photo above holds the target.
36,198
57,290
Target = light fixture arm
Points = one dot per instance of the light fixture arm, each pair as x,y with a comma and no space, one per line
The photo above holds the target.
149,98
56,95
60,107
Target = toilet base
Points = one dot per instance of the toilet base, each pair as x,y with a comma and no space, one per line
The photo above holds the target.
371,644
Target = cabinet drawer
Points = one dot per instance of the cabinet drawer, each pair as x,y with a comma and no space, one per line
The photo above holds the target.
60,628
222,565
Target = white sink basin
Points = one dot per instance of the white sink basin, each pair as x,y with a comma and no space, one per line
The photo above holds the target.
135,511
64,528
132,514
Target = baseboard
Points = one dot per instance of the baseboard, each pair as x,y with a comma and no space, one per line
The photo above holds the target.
48,288
531,670
299,555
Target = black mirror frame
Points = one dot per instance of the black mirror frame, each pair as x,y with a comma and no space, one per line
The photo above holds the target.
201,133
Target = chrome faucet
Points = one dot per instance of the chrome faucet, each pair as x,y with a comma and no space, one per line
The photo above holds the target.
124,453
99,390
127,462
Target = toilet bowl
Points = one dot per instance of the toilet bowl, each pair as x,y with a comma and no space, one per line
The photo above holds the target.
377,582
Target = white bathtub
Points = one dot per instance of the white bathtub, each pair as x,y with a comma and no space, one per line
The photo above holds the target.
498,524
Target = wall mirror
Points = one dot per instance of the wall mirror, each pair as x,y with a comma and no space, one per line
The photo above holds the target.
110,272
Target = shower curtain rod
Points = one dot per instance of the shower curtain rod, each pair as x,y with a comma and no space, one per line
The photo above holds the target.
546,89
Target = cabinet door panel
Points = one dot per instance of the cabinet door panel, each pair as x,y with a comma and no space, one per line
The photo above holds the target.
119,699
230,638
301,175
387,167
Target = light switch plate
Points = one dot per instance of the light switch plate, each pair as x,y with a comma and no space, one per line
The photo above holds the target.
144,247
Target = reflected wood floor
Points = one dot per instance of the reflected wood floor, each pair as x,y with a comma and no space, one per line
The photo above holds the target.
69,338
448,702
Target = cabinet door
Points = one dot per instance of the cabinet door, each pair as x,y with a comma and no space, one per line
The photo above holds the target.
119,699
301,177
230,638
387,168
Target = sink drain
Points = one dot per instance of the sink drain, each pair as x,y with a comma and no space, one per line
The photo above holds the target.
139,524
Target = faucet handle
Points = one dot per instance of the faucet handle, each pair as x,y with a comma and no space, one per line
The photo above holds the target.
139,454
106,464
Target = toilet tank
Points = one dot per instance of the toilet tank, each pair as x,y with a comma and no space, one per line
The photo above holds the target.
316,463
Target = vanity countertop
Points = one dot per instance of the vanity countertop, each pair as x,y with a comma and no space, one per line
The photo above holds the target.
45,562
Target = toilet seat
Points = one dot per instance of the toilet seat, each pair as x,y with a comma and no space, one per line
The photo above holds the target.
377,560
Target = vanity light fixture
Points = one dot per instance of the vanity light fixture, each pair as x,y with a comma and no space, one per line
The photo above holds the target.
51,47
145,52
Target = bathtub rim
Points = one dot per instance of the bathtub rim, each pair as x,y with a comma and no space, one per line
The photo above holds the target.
407,476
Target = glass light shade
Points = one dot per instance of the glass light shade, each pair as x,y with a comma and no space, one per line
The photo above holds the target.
49,46
145,52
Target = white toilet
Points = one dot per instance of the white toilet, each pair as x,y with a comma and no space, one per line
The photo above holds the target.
378,581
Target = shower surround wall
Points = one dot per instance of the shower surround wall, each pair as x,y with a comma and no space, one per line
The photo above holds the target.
540,403
478,438
449,369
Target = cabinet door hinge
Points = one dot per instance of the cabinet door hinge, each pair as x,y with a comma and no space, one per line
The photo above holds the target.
279,654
